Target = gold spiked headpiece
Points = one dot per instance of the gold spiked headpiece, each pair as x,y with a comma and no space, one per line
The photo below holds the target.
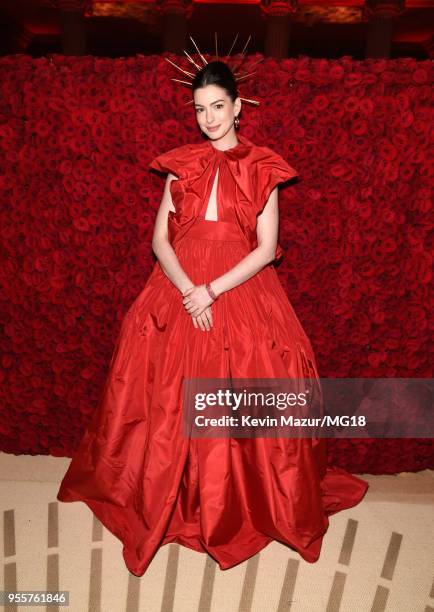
238,77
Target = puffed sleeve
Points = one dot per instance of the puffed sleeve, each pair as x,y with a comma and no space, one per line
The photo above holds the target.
272,170
171,161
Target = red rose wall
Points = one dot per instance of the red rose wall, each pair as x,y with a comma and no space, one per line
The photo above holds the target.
78,204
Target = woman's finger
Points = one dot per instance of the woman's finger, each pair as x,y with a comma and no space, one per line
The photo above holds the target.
193,310
206,321
208,315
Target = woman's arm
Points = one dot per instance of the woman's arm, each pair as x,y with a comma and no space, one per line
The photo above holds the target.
267,229
161,246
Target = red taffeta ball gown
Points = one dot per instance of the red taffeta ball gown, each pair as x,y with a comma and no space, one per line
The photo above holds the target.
134,468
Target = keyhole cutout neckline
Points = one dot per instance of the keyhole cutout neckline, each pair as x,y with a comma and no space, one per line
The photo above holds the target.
214,188
242,142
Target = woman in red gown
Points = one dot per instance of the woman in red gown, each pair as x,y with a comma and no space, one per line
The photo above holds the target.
146,481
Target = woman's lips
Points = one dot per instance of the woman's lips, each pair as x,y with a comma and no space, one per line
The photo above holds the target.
213,129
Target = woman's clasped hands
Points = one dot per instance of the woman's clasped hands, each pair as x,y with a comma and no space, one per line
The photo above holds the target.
197,303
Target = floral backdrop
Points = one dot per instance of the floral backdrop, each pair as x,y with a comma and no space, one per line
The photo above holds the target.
78,203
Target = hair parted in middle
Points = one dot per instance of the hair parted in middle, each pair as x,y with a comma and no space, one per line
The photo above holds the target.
216,72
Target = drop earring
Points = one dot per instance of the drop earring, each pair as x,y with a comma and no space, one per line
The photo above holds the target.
237,123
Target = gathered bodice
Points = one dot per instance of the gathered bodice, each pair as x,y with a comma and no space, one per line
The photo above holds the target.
247,173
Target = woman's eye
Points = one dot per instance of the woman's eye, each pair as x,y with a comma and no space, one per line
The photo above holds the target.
199,110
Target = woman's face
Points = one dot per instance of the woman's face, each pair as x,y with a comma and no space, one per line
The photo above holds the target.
215,108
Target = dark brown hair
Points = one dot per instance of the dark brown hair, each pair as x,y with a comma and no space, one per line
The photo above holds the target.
216,73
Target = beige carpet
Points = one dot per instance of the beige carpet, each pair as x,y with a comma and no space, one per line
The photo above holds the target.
376,556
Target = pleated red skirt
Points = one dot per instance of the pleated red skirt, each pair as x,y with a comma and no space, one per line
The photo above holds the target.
228,497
